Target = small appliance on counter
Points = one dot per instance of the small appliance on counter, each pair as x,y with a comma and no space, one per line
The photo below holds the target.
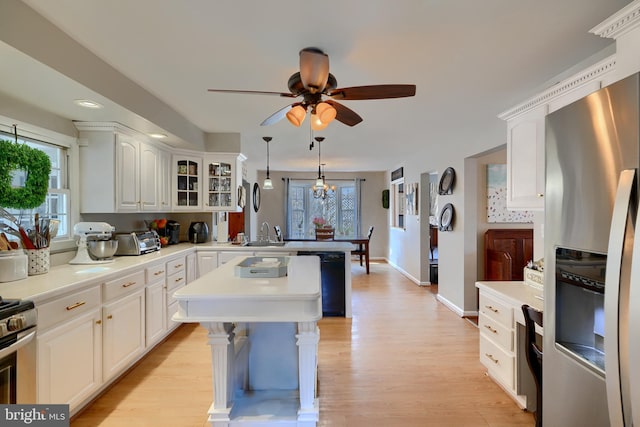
198,232
95,245
173,232
13,265
138,242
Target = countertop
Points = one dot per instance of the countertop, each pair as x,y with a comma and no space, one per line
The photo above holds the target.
66,278
515,292
222,296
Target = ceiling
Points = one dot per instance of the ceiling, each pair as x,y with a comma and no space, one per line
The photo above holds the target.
470,61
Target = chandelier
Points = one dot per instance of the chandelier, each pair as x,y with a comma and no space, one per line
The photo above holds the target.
321,190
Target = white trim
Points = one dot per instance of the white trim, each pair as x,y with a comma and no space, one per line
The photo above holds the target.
620,23
405,273
451,306
576,81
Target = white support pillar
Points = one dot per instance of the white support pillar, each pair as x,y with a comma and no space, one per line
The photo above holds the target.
308,337
221,340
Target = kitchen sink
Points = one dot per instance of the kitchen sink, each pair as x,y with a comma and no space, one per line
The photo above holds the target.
264,243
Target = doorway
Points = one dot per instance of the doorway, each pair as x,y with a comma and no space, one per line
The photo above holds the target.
429,228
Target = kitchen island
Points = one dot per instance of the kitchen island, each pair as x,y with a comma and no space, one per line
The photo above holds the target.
264,338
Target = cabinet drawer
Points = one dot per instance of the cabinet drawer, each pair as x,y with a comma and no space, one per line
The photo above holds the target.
176,265
496,310
123,285
176,280
155,273
498,333
497,361
67,307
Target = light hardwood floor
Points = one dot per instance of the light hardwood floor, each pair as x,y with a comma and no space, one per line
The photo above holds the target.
404,359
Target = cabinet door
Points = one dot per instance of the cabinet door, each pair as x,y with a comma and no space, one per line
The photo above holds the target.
127,174
70,360
164,180
155,308
525,161
123,334
186,183
207,261
192,268
221,192
149,175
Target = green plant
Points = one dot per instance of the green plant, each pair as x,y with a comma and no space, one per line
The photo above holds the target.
35,163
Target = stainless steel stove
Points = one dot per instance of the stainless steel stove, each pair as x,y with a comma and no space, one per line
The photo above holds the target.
18,321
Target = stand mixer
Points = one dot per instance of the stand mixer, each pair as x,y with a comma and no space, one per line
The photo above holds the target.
90,230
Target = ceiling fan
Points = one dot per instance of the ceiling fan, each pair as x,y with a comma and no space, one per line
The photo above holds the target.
314,81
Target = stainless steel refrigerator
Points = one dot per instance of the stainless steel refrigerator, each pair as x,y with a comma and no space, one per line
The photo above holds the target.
591,362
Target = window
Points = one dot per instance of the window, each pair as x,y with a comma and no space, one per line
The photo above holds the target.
339,208
398,202
56,204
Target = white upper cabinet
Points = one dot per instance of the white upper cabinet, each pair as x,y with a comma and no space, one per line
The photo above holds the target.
186,178
119,172
223,177
525,161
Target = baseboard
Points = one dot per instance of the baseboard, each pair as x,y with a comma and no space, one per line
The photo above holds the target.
407,275
451,306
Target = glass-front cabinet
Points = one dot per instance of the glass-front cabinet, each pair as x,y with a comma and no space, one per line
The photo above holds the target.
187,173
222,181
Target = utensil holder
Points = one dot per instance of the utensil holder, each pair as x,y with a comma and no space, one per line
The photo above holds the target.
38,261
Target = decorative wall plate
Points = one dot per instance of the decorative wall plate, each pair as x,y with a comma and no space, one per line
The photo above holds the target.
446,217
446,181
256,197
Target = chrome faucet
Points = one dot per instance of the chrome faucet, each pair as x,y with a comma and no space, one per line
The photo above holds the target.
262,235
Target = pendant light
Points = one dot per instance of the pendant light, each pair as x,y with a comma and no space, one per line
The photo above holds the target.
319,181
267,184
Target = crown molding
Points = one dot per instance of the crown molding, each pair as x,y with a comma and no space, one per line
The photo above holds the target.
565,86
621,22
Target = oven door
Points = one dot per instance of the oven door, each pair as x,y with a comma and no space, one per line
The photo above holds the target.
9,365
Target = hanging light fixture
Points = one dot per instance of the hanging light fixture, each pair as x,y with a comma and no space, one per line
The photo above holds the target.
296,115
322,114
267,184
321,190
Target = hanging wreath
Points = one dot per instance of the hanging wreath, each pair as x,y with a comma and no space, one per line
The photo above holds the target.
36,163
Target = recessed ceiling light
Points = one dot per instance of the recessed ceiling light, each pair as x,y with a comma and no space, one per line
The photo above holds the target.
87,103
157,135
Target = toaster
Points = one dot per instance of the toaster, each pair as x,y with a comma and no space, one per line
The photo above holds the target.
137,242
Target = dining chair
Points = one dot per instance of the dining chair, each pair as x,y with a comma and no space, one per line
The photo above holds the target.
361,249
325,233
534,354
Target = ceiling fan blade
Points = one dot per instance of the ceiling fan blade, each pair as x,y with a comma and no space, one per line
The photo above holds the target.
373,92
254,92
344,114
278,115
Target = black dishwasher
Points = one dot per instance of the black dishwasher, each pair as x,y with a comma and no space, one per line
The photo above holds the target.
332,277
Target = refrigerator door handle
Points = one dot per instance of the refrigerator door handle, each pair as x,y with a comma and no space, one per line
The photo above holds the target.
632,332
612,295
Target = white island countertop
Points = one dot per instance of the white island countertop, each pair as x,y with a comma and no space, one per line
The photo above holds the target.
221,296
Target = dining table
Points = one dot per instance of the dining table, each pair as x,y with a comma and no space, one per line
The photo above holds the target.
362,243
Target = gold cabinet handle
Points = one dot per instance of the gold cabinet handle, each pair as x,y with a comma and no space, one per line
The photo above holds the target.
178,279
540,195
110,316
177,266
490,357
76,305
491,329
157,273
98,322
126,285
495,310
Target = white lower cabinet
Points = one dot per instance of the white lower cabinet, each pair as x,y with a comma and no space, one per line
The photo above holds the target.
176,279
123,335
207,261
155,304
69,362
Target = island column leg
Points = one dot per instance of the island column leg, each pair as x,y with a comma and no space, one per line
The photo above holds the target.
308,338
221,338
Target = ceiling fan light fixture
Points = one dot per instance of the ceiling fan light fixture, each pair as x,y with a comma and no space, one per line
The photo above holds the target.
314,69
296,115
316,123
326,112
